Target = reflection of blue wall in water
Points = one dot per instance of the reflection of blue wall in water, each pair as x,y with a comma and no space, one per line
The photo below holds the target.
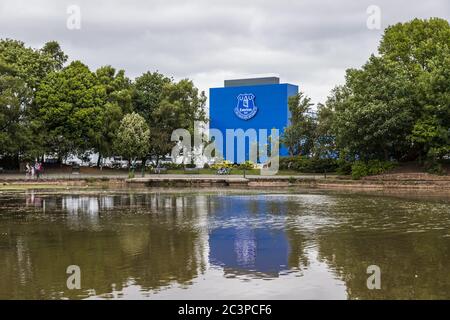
244,247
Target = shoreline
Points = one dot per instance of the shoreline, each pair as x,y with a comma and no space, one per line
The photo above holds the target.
371,184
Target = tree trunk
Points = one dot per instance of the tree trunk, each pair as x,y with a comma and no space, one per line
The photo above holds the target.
16,161
144,160
99,159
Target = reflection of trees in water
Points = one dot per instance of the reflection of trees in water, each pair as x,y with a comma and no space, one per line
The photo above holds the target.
297,239
146,239
411,247
155,239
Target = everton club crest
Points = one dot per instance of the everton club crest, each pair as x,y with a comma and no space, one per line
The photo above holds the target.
246,107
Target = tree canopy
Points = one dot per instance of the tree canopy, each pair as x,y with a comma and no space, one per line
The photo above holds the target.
132,139
396,106
50,108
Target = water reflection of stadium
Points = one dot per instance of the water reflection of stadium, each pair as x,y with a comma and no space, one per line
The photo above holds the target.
247,246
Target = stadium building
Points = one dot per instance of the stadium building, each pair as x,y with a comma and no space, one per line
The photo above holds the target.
256,103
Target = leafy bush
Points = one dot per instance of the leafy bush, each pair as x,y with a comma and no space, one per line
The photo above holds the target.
308,165
435,159
172,166
206,166
378,167
292,180
247,165
318,165
222,164
359,170
373,167
190,165
434,167
344,167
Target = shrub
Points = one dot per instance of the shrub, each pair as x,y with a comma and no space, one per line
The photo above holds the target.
206,166
247,165
378,167
359,170
344,167
308,165
373,167
285,163
190,165
172,166
222,164
435,159
319,165
434,167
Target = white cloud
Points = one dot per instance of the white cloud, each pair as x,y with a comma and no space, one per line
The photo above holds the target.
309,43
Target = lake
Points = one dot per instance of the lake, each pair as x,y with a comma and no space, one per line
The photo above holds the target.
222,244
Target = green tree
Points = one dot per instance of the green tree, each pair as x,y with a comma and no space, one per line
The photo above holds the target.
298,137
397,104
324,139
22,69
132,139
147,97
53,50
182,107
14,94
32,65
118,102
71,108
166,106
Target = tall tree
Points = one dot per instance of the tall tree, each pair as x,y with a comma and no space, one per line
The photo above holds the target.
324,139
396,105
298,137
132,137
166,106
32,65
14,95
23,68
71,105
118,90
146,101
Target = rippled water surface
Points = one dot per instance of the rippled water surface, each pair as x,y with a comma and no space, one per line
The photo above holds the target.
189,245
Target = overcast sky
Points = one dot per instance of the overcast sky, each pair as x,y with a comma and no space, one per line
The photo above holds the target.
308,43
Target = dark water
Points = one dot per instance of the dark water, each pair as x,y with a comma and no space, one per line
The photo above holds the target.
222,245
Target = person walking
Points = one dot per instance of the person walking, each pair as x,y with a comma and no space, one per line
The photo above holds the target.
36,169
27,170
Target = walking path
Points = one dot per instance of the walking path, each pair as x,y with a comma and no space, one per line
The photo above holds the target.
124,176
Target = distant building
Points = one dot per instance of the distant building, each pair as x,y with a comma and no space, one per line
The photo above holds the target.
256,103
